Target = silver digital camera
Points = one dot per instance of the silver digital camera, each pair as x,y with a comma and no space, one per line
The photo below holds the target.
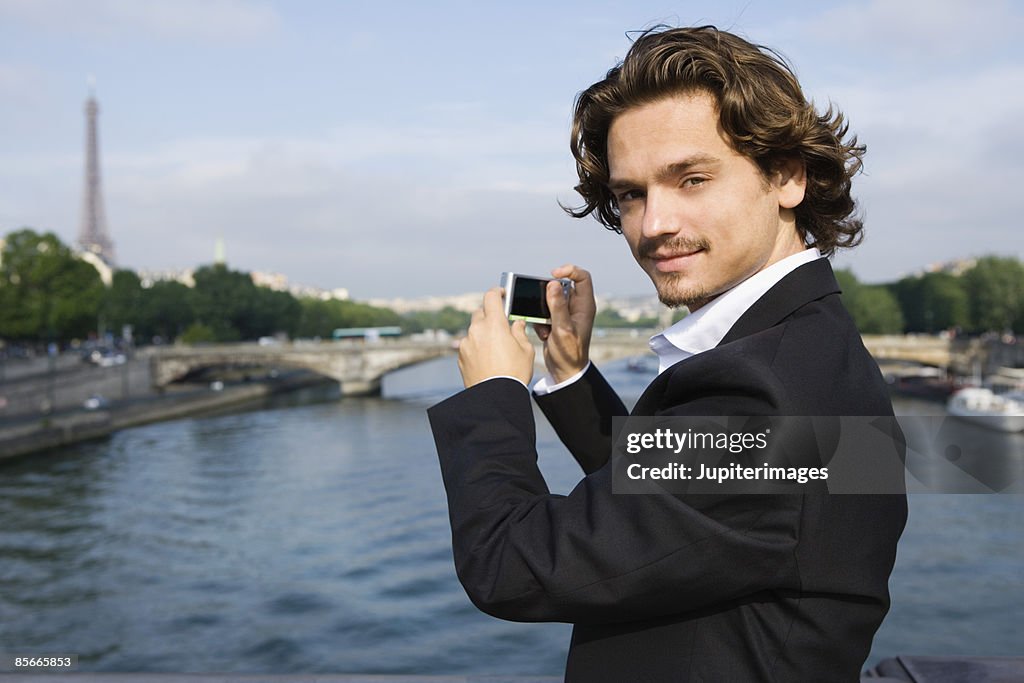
526,296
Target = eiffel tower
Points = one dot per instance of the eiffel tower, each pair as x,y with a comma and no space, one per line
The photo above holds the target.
93,236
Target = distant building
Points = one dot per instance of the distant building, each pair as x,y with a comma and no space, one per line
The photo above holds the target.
279,283
955,267
633,308
460,302
275,281
184,276
306,291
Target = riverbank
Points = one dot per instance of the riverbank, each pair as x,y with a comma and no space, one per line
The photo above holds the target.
35,434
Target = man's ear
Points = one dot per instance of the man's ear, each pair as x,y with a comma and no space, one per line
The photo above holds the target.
791,182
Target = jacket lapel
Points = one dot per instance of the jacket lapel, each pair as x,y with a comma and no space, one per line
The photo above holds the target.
809,282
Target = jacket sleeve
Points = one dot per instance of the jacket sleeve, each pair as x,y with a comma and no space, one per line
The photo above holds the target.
592,556
581,414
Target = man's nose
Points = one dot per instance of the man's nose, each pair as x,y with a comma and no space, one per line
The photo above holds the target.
660,216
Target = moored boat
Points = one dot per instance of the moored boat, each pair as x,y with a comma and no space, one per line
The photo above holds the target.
986,408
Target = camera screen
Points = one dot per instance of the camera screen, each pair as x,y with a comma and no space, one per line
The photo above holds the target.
528,298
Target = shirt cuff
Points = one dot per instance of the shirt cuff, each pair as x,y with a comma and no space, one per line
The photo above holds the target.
544,385
505,377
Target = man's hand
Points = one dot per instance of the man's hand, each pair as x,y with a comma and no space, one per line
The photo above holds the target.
492,348
567,338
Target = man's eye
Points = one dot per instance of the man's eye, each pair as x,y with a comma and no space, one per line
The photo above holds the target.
694,181
629,195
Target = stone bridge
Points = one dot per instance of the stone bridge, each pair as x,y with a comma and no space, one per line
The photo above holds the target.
957,355
359,366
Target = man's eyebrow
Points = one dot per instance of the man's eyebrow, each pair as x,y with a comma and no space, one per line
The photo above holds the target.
669,170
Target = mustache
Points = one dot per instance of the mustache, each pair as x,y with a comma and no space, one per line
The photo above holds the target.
648,247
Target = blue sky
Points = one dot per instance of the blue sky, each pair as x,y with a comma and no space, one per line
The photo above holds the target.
411,148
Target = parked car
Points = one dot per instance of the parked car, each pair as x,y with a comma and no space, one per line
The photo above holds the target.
105,358
95,402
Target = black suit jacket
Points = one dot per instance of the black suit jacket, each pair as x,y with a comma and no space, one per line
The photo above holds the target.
688,587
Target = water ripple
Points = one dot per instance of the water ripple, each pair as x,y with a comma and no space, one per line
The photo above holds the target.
316,538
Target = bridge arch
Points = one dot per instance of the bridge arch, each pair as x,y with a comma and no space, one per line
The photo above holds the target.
358,368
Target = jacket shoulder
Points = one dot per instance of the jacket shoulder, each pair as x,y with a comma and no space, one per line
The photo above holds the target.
813,362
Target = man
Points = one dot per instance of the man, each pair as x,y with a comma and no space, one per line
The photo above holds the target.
728,187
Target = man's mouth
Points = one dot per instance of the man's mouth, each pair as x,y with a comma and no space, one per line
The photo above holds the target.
668,262
673,254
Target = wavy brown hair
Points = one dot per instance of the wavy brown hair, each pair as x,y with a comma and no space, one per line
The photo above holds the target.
761,108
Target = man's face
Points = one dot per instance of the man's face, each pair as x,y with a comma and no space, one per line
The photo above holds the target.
699,216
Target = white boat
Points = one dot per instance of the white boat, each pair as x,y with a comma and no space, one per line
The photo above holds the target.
984,407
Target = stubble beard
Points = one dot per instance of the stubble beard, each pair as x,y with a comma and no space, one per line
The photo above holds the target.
671,290
674,295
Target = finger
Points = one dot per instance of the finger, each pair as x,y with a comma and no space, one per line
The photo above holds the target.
542,331
519,333
477,317
558,306
493,306
579,276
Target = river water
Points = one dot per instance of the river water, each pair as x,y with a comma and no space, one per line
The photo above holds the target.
312,536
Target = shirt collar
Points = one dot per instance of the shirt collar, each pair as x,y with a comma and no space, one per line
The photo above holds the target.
705,329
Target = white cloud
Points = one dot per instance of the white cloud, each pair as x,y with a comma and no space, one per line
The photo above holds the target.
16,77
527,157
950,104
376,234
917,30
210,20
29,87
369,209
936,91
464,188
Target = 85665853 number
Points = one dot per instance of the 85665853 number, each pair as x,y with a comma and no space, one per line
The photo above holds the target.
26,662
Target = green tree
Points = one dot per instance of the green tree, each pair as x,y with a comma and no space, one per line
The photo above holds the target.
321,318
224,301
909,294
874,308
198,333
47,293
934,301
448,319
358,314
876,311
945,302
609,317
995,294
318,318
165,310
273,312
122,301
230,304
848,283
